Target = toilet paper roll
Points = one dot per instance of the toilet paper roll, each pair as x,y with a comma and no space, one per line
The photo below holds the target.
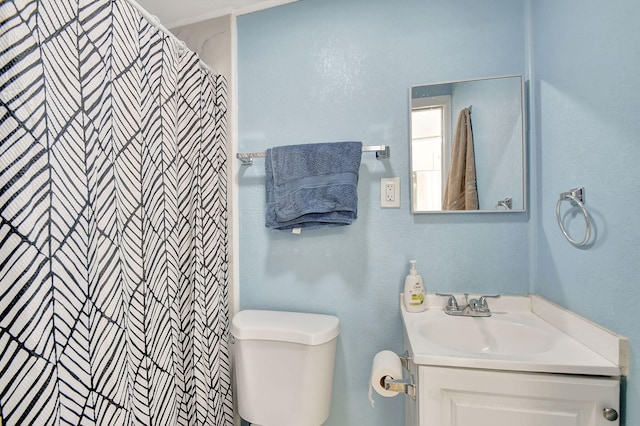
385,364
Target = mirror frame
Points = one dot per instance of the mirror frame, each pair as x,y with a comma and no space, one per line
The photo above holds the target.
524,146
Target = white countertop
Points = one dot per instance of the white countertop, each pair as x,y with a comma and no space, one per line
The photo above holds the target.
572,345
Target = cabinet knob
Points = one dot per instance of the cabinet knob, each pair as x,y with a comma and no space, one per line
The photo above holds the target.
610,414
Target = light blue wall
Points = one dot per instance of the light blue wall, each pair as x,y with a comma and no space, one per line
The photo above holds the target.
586,58
331,70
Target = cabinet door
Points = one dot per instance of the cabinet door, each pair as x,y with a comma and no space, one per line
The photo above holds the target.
460,397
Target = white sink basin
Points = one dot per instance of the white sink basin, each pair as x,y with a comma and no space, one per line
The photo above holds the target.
487,335
514,338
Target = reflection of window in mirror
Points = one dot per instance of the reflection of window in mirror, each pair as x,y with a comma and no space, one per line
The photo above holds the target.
430,121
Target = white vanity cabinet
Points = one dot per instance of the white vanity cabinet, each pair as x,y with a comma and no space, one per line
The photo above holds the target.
463,397
531,363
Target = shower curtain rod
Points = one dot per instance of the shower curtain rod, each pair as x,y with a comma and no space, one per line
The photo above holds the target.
153,20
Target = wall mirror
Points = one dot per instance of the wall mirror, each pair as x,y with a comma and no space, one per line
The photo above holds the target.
449,145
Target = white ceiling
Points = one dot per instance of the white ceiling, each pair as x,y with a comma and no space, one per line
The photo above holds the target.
173,13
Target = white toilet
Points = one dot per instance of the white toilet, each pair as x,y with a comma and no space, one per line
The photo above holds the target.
284,364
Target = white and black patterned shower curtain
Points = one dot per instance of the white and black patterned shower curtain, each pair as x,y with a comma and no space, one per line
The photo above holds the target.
114,245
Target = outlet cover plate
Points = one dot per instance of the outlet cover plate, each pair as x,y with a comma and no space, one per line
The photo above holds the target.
390,193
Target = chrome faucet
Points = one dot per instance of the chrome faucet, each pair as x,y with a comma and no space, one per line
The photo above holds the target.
472,308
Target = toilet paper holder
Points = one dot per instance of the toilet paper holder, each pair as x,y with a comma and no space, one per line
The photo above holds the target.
405,385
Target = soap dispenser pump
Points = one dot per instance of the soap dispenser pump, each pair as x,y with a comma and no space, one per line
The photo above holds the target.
414,290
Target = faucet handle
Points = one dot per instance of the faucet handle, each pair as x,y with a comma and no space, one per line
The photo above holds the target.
483,300
452,303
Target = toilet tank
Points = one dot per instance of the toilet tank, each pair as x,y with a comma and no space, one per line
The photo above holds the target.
284,363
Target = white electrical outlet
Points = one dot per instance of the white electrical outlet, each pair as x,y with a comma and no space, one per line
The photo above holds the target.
390,192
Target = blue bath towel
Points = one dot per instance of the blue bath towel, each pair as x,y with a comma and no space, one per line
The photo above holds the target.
311,186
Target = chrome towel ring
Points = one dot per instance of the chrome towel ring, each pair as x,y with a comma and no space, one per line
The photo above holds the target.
576,197
507,203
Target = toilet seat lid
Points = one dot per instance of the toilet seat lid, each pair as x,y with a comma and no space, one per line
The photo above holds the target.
294,327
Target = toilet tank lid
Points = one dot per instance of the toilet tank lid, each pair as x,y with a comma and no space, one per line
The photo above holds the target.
294,327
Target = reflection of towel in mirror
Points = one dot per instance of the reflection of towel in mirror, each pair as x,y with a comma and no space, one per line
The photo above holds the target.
461,192
311,186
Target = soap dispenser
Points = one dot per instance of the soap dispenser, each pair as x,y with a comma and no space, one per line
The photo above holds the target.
414,290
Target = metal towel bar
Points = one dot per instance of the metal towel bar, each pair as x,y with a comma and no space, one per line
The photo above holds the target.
382,151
